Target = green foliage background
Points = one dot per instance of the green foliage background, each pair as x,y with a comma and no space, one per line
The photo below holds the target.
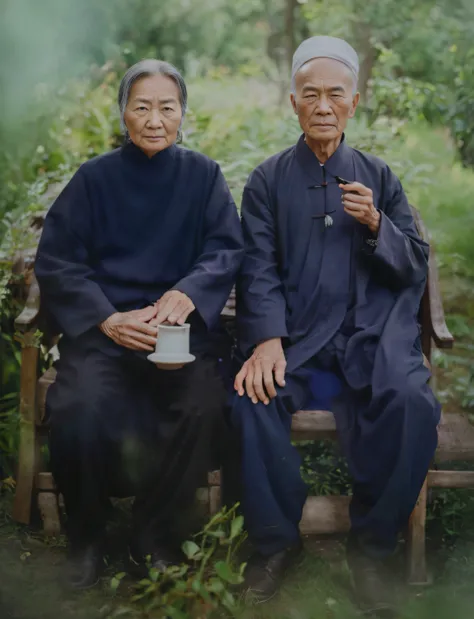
63,61
61,64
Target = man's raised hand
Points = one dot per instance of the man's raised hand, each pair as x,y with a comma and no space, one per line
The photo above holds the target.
359,203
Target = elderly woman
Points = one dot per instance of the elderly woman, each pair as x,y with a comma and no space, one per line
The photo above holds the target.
141,236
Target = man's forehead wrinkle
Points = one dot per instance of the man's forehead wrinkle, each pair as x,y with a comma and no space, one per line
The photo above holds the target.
306,78
323,85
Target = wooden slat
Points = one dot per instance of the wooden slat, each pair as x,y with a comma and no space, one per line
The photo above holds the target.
325,515
455,438
229,308
313,426
455,433
451,479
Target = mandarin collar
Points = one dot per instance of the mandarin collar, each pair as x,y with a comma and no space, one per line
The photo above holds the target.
133,153
340,163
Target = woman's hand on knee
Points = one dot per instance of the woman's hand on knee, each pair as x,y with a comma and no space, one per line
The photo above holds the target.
258,375
131,329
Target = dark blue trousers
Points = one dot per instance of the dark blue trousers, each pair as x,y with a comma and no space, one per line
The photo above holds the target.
387,433
121,427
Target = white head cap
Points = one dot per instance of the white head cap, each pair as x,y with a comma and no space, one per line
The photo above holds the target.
325,47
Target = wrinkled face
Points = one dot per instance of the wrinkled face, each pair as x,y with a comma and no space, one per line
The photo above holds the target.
324,99
153,113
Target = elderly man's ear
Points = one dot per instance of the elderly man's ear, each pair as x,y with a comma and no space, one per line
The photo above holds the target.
355,103
293,103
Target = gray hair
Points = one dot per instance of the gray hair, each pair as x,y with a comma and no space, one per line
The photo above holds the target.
146,68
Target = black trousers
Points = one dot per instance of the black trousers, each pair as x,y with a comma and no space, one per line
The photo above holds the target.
121,427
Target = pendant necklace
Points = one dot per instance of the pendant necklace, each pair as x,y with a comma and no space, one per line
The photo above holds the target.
328,220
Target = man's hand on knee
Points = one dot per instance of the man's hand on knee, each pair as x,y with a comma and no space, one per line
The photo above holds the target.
258,375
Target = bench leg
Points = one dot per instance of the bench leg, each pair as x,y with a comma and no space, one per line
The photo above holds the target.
49,508
416,551
28,439
214,485
214,500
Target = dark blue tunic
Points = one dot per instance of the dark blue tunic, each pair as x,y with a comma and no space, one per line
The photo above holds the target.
303,281
347,315
125,230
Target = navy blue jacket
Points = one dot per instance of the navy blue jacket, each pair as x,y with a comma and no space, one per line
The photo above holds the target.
126,229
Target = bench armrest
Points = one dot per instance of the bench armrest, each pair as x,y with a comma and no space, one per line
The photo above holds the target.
29,315
437,323
439,328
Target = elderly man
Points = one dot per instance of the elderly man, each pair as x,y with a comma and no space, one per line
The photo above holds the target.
328,297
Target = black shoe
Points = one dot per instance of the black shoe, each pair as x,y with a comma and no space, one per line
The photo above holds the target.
264,574
372,585
85,567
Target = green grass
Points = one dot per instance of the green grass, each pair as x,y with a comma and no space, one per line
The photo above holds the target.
319,588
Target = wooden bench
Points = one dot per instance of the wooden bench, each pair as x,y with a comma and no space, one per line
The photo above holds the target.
322,515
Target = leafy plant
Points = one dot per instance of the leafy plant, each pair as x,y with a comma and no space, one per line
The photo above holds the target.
200,586
407,99
324,468
450,513
461,116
